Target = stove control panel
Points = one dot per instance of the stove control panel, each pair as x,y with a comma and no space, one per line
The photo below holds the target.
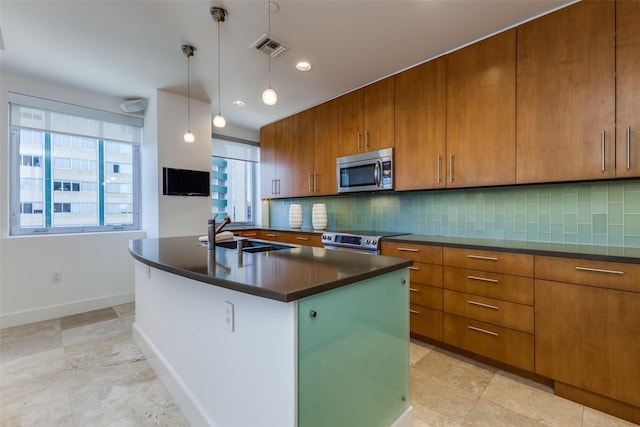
351,241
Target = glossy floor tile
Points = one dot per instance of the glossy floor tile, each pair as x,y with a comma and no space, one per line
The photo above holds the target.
85,370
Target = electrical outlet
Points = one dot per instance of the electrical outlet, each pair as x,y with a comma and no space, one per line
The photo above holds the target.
228,316
56,277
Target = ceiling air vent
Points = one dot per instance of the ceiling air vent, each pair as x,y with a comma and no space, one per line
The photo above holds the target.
269,45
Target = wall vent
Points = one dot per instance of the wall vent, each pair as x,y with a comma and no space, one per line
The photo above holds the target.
269,45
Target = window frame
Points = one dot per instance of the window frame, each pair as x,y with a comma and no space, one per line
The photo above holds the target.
256,208
15,162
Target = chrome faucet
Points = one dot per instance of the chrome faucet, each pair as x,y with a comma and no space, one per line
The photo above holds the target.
212,230
224,222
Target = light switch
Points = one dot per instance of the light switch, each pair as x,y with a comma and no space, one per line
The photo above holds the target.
228,316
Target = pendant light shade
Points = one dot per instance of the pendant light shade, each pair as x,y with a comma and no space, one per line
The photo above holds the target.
269,96
218,14
188,51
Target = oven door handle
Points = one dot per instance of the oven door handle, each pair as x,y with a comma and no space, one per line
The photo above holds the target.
376,173
347,249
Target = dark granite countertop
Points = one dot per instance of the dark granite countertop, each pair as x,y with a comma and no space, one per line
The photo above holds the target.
283,275
593,252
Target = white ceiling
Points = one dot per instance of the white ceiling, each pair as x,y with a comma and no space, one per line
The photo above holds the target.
130,48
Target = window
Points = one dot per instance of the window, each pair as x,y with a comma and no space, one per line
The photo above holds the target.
73,169
234,179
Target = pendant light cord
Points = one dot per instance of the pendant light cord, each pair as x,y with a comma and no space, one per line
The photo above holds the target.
189,91
219,88
269,36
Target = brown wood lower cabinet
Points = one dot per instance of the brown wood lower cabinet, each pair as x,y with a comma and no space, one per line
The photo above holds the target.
506,345
304,239
425,322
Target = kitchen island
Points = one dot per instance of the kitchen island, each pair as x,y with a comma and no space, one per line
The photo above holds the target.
294,337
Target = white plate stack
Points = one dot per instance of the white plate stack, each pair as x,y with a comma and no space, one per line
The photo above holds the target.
319,216
295,216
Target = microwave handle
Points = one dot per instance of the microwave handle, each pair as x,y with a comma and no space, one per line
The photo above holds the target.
376,173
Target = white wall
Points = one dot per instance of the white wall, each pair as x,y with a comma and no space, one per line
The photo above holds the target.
97,270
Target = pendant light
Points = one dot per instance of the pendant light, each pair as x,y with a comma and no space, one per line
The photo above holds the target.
219,14
269,96
188,51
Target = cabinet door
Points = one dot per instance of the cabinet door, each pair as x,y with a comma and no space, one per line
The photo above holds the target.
628,88
325,148
566,95
268,182
285,162
420,128
481,114
589,338
350,123
302,154
379,121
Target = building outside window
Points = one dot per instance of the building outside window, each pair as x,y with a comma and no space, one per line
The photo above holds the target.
234,175
73,169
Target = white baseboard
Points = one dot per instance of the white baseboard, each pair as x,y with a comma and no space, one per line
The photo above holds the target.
60,310
177,389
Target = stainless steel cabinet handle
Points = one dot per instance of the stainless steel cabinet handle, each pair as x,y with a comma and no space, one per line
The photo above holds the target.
483,279
599,270
407,250
302,238
438,169
309,183
413,290
315,182
249,234
413,312
273,186
492,307
484,331
366,139
486,258
602,137
450,167
628,148
358,141
270,235
413,268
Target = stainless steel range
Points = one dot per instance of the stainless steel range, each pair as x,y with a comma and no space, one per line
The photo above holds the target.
362,242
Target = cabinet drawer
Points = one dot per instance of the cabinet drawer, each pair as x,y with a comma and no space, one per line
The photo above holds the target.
426,274
426,296
249,233
304,239
494,311
420,253
611,275
505,345
425,322
494,285
272,235
498,262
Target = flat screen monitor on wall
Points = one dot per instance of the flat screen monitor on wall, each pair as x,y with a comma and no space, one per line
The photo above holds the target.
185,182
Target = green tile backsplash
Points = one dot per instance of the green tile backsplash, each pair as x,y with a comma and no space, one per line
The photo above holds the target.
603,213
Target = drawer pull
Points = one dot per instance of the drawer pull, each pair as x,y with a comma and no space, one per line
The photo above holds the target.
271,235
486,258
413,290
414,268
599,270
413,312
484,331
407,250
492,307
249,234
482,279
302,238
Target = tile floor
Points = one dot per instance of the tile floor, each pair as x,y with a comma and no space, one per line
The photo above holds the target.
85,370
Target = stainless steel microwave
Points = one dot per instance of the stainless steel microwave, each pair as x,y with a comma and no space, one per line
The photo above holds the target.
371,171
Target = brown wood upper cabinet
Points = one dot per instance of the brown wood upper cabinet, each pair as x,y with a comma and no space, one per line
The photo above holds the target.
325,151
420,114
275,159
627,88
566,94
366,121
481,115
302,151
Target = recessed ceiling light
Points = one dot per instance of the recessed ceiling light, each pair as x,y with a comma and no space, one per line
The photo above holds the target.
303,66
238,103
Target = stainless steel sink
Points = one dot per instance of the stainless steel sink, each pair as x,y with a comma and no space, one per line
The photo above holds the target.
253,246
